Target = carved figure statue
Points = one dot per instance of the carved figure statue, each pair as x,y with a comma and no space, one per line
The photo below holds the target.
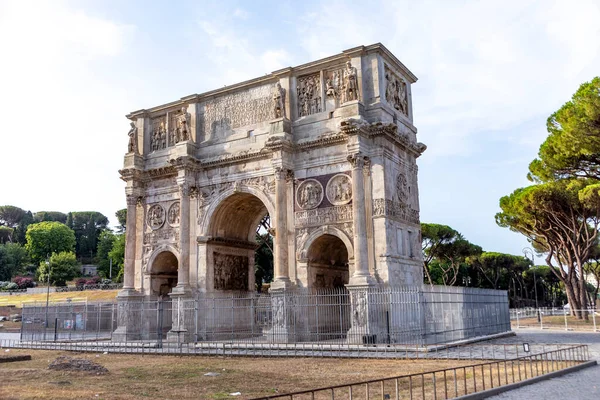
350,83
278,312
395,92
183,126
359,315
279,101
330,90
163,136
132,147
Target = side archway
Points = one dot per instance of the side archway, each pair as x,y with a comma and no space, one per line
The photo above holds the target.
163,266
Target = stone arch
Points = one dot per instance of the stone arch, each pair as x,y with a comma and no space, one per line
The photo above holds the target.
328,265
208,216
163,268
325,230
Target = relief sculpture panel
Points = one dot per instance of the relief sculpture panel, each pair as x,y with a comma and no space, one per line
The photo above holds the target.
248,107
231,272
339,190
156,216
396,91
309,95
309,194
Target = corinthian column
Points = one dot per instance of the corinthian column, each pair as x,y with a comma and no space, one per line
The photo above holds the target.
361,274
282,278
130,236
183,271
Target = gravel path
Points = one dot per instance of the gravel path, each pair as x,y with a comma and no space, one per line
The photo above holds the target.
582,385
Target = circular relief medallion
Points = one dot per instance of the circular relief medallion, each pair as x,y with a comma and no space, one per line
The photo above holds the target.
339,190
173,214
309,194
402,187
156,216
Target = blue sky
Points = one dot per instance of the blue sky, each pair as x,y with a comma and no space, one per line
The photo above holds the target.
490,73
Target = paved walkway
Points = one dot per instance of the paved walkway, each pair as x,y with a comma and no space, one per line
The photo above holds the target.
582,385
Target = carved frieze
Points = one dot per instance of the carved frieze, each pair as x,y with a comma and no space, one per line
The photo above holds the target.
309,95
231,272
163,235
395,210
156,216
339,190
309,194
158,140
396,91
173,214
321,216
225,113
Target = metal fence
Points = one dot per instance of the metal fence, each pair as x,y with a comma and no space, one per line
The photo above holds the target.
451,382
392,316
555,318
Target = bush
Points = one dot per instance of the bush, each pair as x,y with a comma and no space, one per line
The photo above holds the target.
93,281
23,282
11,286
80,282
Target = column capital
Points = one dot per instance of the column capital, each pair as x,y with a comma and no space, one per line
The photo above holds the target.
357,160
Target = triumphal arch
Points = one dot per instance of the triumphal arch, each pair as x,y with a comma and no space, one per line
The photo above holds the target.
328,149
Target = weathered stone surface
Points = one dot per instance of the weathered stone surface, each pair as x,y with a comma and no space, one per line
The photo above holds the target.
327,149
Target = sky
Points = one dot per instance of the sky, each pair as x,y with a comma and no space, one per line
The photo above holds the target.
490,73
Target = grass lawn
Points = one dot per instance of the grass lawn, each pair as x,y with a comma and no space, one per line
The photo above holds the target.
172,377
91,295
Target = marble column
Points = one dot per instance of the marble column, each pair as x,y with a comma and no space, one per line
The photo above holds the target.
130,241
183,270
282,278
361,274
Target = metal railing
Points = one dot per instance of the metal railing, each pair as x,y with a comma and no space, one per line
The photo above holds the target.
450,382
404,316
555,318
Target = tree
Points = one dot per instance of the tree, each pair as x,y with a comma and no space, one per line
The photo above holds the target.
6,234
21,228
11,216
263,260
117,253
50,216
63,268
447,249
13,257
45,238
122,218
105,245
572,148
562,218
497,267
87,226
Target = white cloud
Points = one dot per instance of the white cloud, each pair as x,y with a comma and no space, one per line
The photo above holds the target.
58,130
482,65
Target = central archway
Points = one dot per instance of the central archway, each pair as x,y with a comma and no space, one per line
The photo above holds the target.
233,240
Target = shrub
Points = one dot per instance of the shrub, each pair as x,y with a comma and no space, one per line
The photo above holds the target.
23,282
80,282
93,281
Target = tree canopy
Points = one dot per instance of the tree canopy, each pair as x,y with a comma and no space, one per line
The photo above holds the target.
572,148
63,267
45,238
56,216
87,226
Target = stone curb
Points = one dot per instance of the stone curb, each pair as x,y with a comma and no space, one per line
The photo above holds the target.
501,389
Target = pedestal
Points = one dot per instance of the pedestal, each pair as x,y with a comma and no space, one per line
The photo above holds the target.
369,316
129,316
183,314
282,310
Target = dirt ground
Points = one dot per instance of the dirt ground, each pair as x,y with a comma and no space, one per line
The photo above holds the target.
90,295
172,377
